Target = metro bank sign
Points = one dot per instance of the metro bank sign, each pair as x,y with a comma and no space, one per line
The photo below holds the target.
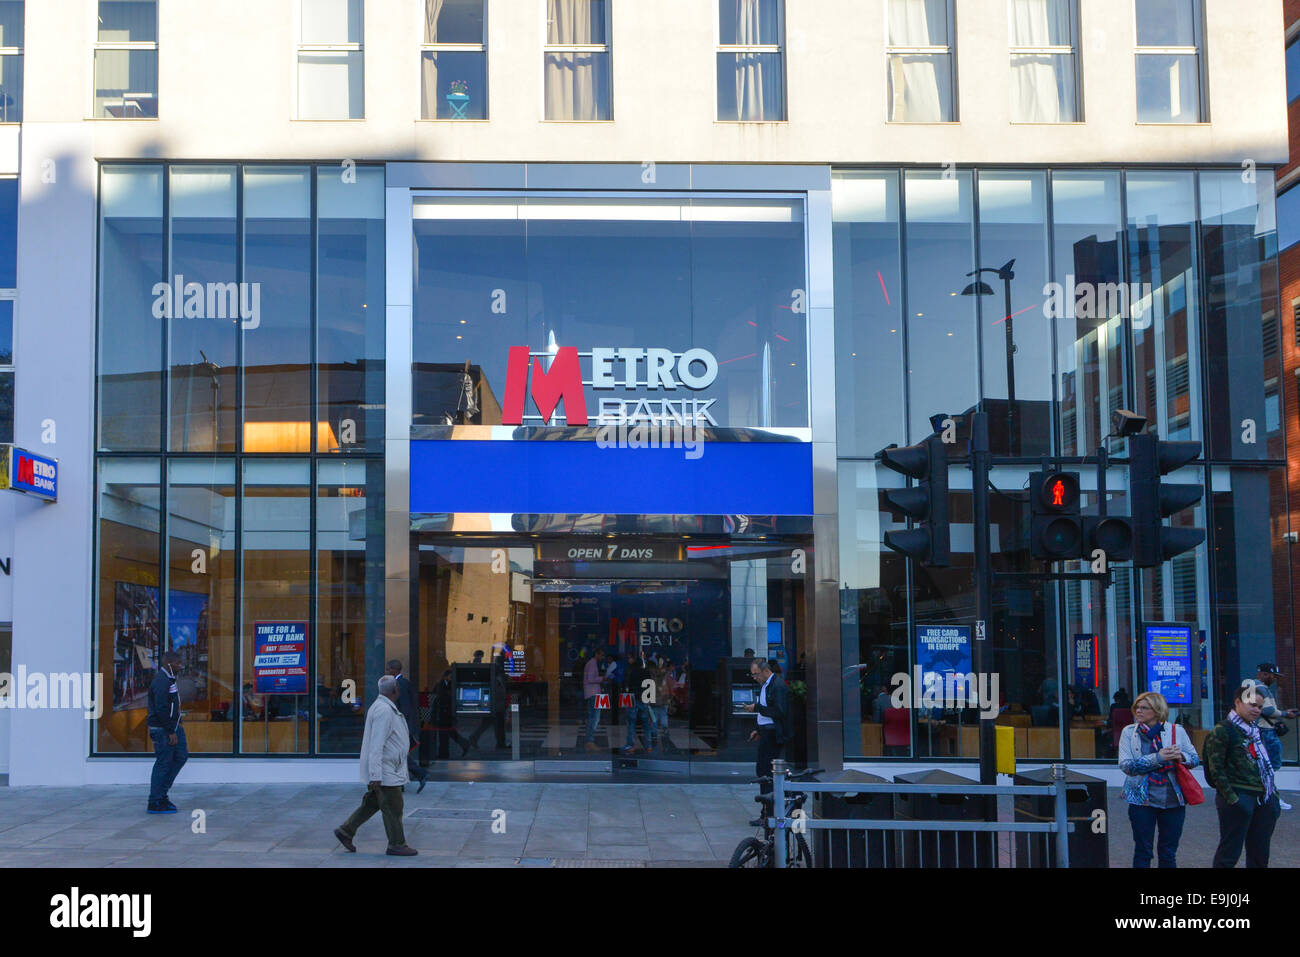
24,471
664,370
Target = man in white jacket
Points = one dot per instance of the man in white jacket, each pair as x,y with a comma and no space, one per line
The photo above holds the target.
383,771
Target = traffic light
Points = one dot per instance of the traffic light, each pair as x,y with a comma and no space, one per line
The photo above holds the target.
1150,459
926,502
1055,525
1112,534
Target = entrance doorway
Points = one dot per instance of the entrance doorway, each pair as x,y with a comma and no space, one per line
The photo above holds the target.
602,654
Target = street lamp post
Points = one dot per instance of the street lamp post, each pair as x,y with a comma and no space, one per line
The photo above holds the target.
981,288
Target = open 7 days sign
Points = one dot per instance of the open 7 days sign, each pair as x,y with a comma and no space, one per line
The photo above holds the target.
651,369
24,471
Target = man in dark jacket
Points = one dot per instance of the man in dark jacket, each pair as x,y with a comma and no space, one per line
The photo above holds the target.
408,704
166,732
773,707
635,677
1238,768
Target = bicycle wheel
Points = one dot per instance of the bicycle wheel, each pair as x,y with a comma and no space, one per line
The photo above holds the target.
798,853
749,853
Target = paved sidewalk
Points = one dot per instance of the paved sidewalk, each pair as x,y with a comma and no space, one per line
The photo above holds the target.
451,823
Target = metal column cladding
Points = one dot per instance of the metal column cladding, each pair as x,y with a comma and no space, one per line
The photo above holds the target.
584,477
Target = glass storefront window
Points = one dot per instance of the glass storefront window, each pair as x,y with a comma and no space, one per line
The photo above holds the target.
275,312
349,599
201,560
869,329
350,309
1087,305
1164,302
131,321
943,366
201,337
1239,239
725,276
276,561
128,623
1016,337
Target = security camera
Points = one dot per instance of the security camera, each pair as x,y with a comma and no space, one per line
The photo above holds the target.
1123,422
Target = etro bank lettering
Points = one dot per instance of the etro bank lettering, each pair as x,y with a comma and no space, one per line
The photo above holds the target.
629,368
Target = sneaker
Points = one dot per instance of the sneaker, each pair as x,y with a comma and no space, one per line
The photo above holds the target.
345,840
1283,805
403,851
169,807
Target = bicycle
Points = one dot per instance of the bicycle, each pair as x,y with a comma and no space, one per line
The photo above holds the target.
753,852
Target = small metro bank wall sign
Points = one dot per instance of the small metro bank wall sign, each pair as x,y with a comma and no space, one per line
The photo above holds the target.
23,471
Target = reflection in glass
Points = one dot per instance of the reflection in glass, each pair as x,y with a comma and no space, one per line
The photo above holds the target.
1169,88
868,313
1241,322
350,309
201,596
1088,310
130,330
275,312
1166,346
202,334
943,358
1017,337
276,588
126,84
128,613
349,597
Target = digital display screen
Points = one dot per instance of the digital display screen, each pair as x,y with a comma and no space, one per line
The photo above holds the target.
742,696
470,694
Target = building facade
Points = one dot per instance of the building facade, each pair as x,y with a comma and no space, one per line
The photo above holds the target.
479,335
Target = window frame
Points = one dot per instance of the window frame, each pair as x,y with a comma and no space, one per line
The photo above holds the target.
607,48
1073,51
124,45
300,47
1202,84
17,51
481,47
950,51
779,49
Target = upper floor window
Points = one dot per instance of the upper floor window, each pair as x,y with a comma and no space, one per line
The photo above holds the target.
331,74
751,74
126,59
11,61
576,60
1169,76
453,60
1293,70
920,57
1044,65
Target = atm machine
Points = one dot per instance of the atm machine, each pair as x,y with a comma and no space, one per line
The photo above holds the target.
472,689
736,688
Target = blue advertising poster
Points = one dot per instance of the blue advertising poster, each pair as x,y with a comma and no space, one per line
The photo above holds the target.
942,650
280,657
1086,654
1169,661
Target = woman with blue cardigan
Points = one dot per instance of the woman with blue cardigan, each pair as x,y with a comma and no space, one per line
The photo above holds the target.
1149,752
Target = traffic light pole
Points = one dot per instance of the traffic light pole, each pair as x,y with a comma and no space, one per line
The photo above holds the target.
982,656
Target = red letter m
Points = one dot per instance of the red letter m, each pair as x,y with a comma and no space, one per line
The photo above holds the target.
562,381
26,472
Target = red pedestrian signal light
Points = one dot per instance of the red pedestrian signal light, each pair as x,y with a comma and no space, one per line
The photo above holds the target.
1059,491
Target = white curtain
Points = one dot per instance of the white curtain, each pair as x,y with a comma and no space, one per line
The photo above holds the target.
920,84
758,79
431,10
1042,87
428,64
574,81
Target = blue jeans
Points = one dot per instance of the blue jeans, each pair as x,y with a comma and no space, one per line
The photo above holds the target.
593,719
167,763
1145,820
641,712
1272,746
